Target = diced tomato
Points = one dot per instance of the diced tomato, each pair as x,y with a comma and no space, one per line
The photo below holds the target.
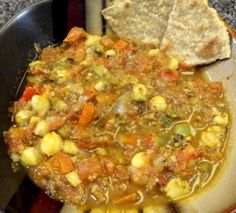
184,156
87,115
108,165
75,34
56,123
89,169
162,180
28,93
169,75
121,45
61,162
82,145
148,140
215,88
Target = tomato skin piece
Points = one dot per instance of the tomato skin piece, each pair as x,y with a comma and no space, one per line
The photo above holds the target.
148,140
28,93
169,75
87,115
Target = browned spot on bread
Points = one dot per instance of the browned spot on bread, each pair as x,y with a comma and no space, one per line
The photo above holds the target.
127,5
210,48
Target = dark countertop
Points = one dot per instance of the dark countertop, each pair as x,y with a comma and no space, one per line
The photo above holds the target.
8,8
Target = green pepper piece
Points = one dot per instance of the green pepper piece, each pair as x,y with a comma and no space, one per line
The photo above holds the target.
183,129
158,141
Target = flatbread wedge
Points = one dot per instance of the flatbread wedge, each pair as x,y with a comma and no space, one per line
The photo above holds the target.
139,21
195,34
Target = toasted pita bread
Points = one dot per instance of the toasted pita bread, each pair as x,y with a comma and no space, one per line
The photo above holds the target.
195,34
140,21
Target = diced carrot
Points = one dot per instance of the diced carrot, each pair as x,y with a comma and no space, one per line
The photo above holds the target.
121,45
87,115
169,75
129,139
61,162
75,34
28,93
131,198
90,93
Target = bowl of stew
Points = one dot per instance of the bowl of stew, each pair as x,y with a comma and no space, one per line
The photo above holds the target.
102,122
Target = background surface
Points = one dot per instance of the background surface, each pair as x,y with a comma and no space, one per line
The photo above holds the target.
8,8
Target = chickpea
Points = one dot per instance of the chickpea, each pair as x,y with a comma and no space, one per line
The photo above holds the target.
221,119
177,188
51,144
70,147
40,104
158,103
140,160
212,137
23,116
41,128
30,156
139,92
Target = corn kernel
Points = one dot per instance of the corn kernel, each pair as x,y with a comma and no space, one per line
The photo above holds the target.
51,144
70,147
30,156
158,103
41,128
40,104
139,160
73,178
